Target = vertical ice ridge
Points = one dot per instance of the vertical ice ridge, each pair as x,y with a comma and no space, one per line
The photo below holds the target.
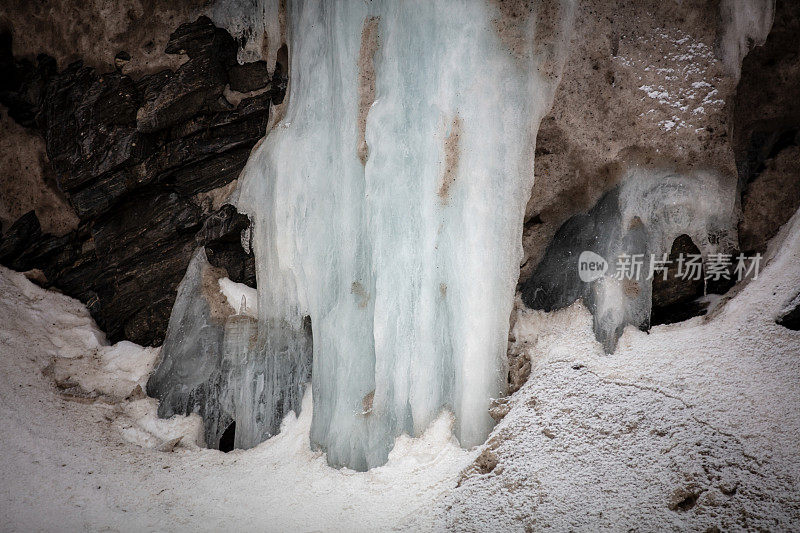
188,377
387,206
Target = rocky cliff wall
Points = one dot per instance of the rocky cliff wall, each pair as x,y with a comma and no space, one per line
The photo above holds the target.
134,172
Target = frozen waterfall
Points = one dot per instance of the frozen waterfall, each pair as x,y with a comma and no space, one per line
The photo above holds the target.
387,207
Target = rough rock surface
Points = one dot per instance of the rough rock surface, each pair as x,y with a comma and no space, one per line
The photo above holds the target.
767,130
27,180
643,84
95,31
139,161
648,83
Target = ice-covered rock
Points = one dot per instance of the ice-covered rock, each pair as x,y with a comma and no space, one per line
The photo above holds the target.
639,218
189,377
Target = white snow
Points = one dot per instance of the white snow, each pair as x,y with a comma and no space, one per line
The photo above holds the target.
706,408
679,73
71,464
234,292
591,441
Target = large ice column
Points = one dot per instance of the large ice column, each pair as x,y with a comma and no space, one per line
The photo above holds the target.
388,206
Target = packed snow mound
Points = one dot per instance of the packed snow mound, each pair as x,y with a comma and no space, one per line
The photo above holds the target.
115,371
238,294
693,426
102,459
75,357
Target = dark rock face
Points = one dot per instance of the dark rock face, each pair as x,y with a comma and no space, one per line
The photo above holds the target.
131,157
675,298
790,318
767,130
249,77
556,283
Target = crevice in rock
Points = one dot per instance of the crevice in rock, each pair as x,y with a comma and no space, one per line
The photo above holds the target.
790,316
677,298
766,131
228,438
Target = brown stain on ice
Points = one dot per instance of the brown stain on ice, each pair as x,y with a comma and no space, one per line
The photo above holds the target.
219,307
631,288
358,289
452,155
366,81
366,403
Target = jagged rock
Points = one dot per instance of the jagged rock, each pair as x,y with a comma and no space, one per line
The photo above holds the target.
249,77
202,38
23,232
195,87
131,156
226,224
221,236
198,83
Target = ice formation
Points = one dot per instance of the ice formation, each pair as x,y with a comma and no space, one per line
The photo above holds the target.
387,207
642,216
188,377
210,365
745,24
386,213
257,25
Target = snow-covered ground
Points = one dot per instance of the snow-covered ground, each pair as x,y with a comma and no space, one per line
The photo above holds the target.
76,455
696,425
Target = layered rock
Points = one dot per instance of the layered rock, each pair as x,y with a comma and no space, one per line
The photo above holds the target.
144,163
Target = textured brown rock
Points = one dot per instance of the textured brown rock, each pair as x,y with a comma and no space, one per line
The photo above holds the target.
643,84
95,31
27,182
